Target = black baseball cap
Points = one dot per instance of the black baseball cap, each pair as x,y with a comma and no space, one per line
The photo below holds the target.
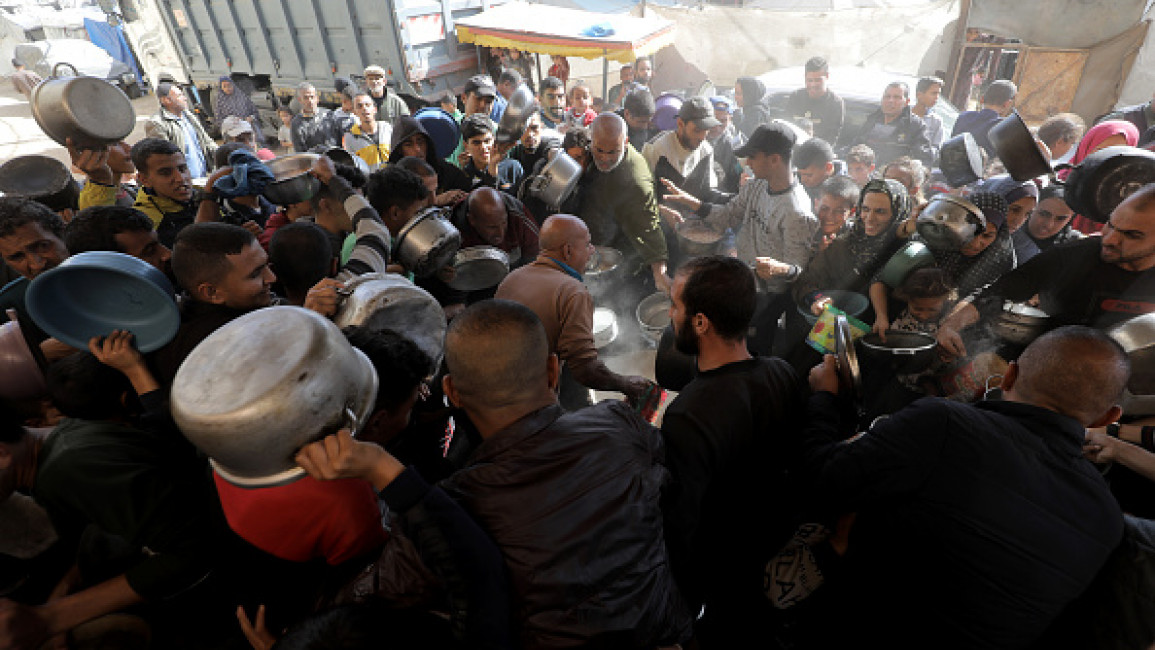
770,138
700,111
481,84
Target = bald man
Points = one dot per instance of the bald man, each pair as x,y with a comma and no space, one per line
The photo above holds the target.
618,200
978,523
552,287
571,499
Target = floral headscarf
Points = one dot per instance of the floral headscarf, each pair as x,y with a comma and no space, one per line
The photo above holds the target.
866,249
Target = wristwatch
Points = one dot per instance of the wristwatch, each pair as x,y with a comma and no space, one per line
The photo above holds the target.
1113,429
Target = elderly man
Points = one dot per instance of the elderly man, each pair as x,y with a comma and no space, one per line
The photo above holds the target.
683,156
817,103
893,131
175,124
618,201
980,523
725,434
1097,281
389,105
31,242
314,125
998,101
572,499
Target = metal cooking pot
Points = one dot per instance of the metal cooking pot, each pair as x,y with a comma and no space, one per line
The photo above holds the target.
603,271
849,374
479,267
1020,323
1017,148
961,160
91,111
43,179
339,155
387,301
427,243
1105,178
517,112
948,222
698,238
903,352
653,314
264,385
605,327
294,183
557,179
1137,336
913,256
21,363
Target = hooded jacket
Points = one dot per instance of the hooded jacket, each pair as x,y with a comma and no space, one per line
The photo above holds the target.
448,176
754,111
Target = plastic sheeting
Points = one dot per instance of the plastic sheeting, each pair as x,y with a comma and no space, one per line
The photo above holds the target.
111,40
1057,23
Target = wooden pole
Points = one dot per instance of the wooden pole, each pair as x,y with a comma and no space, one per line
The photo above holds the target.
956,51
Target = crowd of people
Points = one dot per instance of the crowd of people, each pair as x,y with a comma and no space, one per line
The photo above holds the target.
479,504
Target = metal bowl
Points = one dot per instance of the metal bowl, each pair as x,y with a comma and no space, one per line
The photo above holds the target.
697,238
605,327
388,301
427,243
1020,323
517,113
43,179
91,111
960,160
250,416
293,183
1137,336
603,271
1017,148
479,267
948,222
653,314
913,256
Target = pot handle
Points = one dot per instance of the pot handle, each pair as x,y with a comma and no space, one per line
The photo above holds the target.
904,351
539,183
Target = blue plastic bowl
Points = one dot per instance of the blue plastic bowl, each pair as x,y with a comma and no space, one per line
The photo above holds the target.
92,294
442,128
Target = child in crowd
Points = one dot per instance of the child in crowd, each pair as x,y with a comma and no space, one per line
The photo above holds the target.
581,102
928,296
283,133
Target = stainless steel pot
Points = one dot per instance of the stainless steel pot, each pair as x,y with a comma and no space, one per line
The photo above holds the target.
557,179
653,316
339,155
520,107
605,327
264,385
1017,148
91,111
479,267
948,222
44,179
1020,323
960,160
294,183
849,374
1137,336
698,238
603,271
387,301
427,243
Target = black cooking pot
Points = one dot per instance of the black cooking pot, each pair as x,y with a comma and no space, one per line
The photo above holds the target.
1100,183
960,160
672,369
1017,148
904,353
42,179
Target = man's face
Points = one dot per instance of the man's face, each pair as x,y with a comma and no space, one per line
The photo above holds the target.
553,103
723,116
643,72
31,250
175,102
929,97
607,151
640,122
762,164
415,145
531,139
480,148
877,213
506,89
813,175
375,83
832,213
816,84
143,244
308,100
581,250
860,172
1018,212
365,108
1129,238
1049,218
685,339
168,176
902,176
475,103
626,75
246,285
893,101
690,135
490,222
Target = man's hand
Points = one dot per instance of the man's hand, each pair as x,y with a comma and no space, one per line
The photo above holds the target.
1100,448
768,267
54,350
323,298
673,217
253,227
93,162
21,627
675,194
256,632
117,351
634,387
324,169
820,305
950,343
463,159
340,456
824,376
452,197
446,274
216,176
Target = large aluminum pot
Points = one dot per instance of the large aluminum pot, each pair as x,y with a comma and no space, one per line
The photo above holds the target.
517,112
605,268
948,222
387,301
43,179
1017,148
653,314
427,243
293,183
1020,323
557,180
697,238
478,267
266,384
91,111
1137,336
961,160
1105,178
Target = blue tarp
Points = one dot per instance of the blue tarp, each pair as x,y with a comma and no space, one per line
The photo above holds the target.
111,40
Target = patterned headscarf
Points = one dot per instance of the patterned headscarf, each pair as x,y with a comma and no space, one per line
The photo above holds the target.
867,250
993,205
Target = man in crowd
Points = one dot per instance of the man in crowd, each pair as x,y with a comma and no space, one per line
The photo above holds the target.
638,110
814,162
561,480
478,98
314,125
979,523
617,93
644,71
926,94
618,201
817,103
31,242
725,138
998,101
118,229
726,434
486,164
534,144
507,84
552,100
389,105
860,163
24,80
551,286
683,156
1061,133
893,131
175,124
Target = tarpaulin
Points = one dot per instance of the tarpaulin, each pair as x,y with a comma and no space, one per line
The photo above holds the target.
111,40
1057,23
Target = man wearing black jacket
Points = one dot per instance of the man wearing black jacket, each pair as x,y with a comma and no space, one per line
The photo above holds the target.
893,131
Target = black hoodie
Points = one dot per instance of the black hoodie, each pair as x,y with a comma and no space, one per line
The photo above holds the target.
449,177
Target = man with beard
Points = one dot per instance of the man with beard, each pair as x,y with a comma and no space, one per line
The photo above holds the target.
724,436
552,101
683,156
389,105
31,242
618,201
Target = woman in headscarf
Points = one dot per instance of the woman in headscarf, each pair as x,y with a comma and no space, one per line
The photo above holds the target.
752,110
1111,133
229,100
1021,198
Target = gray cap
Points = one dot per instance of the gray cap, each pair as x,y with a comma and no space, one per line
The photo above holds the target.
700,111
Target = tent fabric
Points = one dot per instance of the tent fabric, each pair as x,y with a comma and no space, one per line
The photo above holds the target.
111,40
523,27
1057,23
1107,66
